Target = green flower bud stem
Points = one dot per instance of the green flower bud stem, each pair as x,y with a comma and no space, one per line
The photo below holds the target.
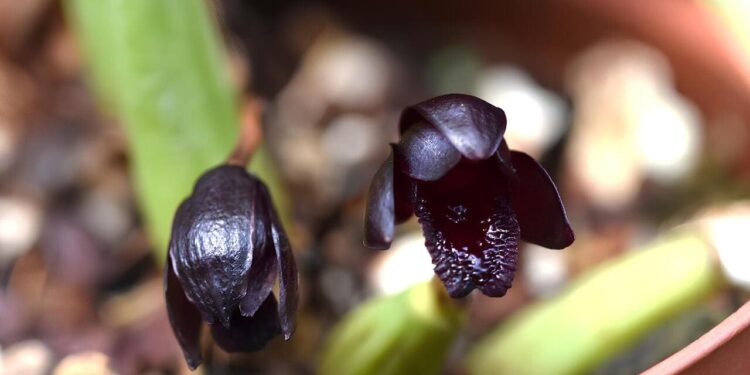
407,333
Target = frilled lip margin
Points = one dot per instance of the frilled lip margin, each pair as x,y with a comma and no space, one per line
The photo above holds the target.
227,251
452,132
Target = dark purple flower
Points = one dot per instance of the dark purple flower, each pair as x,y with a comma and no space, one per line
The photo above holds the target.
226,252
474,198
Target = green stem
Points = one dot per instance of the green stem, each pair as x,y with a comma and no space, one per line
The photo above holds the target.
604,311
159,67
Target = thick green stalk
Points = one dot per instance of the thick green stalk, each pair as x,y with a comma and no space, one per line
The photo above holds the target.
603,312
409,333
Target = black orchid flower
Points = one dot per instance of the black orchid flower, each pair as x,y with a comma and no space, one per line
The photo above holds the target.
474,198
226,252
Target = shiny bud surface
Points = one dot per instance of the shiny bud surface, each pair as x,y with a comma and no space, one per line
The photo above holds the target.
226,253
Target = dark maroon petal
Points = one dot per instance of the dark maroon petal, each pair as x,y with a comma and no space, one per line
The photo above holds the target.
537,204
247,334
379,210
425,154
470,229
260,280
506,166
403,190
390,201
288,296
473,126
183,316
216,235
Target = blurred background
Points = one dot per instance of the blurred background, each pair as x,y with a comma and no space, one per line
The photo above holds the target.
641,114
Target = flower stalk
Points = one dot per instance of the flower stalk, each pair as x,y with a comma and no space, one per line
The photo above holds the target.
605,311
407,333
251,133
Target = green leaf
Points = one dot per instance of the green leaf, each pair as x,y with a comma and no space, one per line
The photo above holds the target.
159,67
604,312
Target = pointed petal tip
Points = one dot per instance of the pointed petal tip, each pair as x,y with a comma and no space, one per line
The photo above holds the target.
193,363
288,335
376,237
376,245
184,317
563,239
287,319
247,312
567,237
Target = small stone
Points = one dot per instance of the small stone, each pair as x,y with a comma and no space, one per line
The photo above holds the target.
545,272
20,221
26,358
84,363
405,265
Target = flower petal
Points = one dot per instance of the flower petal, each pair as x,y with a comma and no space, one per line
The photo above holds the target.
473,126
288,296
506,166
537,204
390,200
247,334
260,280
403,191
216,234
183,316
379,210
425,154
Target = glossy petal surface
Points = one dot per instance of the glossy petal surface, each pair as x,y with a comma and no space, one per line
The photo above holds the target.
227,250
246,334
390,201
260,281
538,207
216,234
403,193
288,295
183,316
426,154
473,126
470,229
380,214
